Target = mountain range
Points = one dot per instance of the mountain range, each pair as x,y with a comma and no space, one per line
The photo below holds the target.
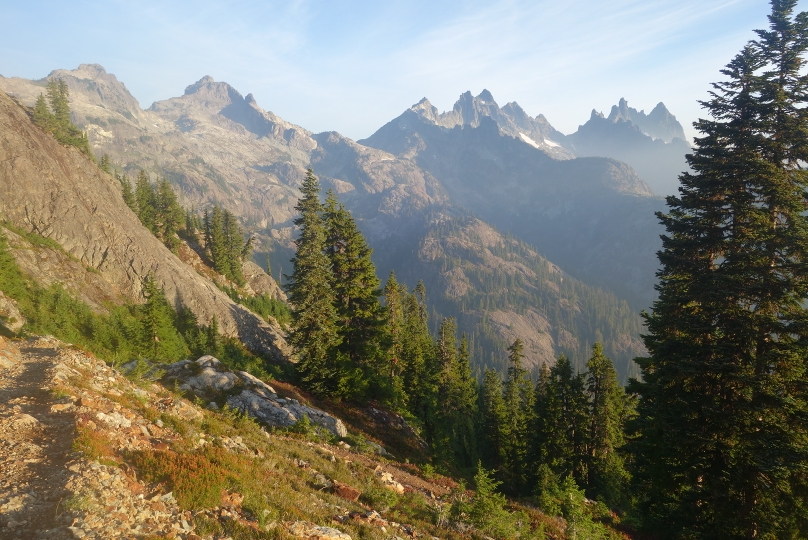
513,234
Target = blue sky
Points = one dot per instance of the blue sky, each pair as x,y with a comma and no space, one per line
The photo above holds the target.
353,66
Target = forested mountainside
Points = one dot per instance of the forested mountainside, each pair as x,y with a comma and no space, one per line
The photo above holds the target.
501,290
217,147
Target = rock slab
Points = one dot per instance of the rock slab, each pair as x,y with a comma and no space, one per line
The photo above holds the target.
212,381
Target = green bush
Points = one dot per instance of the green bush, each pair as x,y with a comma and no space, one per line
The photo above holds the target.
379,497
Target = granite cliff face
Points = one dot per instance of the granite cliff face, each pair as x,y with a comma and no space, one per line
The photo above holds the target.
58,193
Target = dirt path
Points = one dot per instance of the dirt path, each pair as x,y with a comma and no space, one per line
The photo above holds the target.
35,441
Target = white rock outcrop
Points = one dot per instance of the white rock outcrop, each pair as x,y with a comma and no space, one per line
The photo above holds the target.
212,381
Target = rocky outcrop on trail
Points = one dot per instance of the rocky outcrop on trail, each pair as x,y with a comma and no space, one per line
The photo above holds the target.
11,320
208,379
60,194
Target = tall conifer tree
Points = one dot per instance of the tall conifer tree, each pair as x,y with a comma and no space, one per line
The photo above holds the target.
519,403
356,288
394,308
610,409
492,421
315,332
723,426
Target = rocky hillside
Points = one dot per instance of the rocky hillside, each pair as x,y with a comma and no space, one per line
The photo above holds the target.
59,194
88,453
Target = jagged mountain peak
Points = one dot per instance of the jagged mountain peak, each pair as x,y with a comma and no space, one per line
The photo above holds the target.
426,110
207,80
621,112
512,120
486,96
659,124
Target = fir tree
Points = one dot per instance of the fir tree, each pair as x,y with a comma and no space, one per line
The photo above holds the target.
610,409
393,305
315,331
146,202
42,115
723,430
493,418
356,287
563,427
168,214
235,248
126,192
57,121
519,403
104,164
161,341
418,356
218,244
464,407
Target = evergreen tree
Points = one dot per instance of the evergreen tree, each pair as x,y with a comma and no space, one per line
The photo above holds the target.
146,202
128,194
723,416
42,115
464,393
168,214
562,427
104,164
315,331
57,120
610,409
519,403
235,248
161,341
356,287
218,244
418,356
493,418
59,98
393,305
487,511
456,398
206,230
